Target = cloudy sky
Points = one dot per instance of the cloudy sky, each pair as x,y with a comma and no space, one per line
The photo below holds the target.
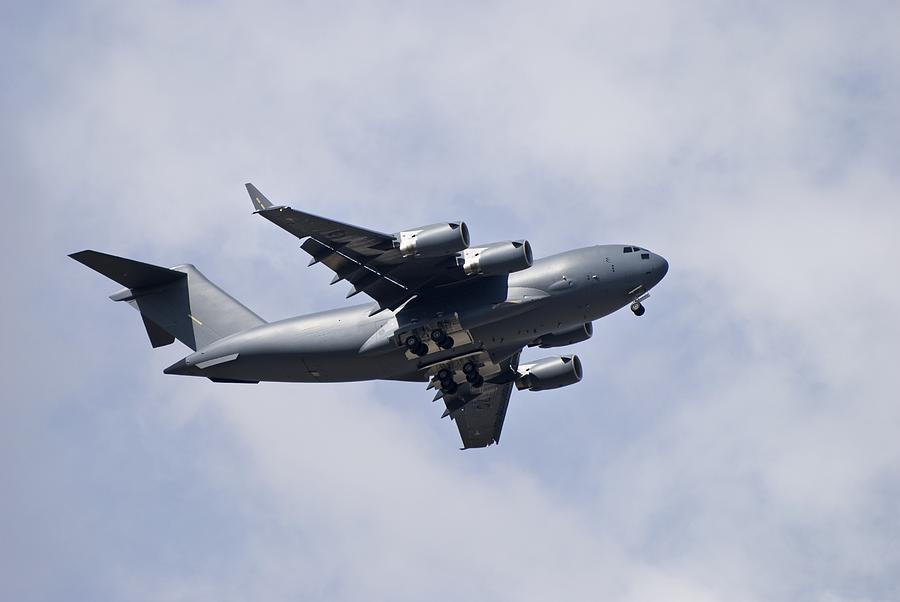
741,441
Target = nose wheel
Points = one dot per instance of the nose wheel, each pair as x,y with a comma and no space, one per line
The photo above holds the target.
638,294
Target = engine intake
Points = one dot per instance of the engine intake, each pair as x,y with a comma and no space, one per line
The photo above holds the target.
562,338
434,240
549,373
498,259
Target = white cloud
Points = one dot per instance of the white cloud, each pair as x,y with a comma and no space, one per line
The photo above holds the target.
736,442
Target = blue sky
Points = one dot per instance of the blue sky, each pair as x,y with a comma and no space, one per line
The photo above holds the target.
737,442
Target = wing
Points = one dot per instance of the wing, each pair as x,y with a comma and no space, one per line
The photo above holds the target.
479,413
370,261
480,421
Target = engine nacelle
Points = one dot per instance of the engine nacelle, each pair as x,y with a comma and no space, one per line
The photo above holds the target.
498,259
434,240
562,338
549,373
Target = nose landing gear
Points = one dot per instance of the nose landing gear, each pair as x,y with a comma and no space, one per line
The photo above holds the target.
638,294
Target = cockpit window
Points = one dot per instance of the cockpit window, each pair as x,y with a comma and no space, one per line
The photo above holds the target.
645,255
627,250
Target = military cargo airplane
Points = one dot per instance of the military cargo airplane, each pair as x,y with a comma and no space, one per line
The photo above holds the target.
445,312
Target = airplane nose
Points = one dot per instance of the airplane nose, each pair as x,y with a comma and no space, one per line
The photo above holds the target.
663,266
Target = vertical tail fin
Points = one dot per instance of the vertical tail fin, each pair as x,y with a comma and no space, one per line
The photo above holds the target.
178,303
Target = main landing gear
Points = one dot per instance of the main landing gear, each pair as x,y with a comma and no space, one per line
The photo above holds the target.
442,339
415,345
637,308
472,375
449,385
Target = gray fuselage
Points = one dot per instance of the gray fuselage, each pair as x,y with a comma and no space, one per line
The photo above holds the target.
502,314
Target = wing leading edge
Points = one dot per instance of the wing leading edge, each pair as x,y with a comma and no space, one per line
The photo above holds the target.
370,261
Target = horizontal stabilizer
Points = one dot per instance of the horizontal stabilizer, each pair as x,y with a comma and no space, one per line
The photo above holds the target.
127,272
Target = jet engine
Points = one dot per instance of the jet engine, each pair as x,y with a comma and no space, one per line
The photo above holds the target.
434,240
549,373
562,338
498,259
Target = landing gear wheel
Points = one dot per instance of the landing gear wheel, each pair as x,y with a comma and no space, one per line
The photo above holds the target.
441,338
444,374
421,350
475,379
450,388
637,309
469,368
412,342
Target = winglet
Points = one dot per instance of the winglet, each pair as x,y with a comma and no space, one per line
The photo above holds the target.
260,202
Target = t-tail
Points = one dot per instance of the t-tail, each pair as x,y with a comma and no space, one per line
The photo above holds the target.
177,303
